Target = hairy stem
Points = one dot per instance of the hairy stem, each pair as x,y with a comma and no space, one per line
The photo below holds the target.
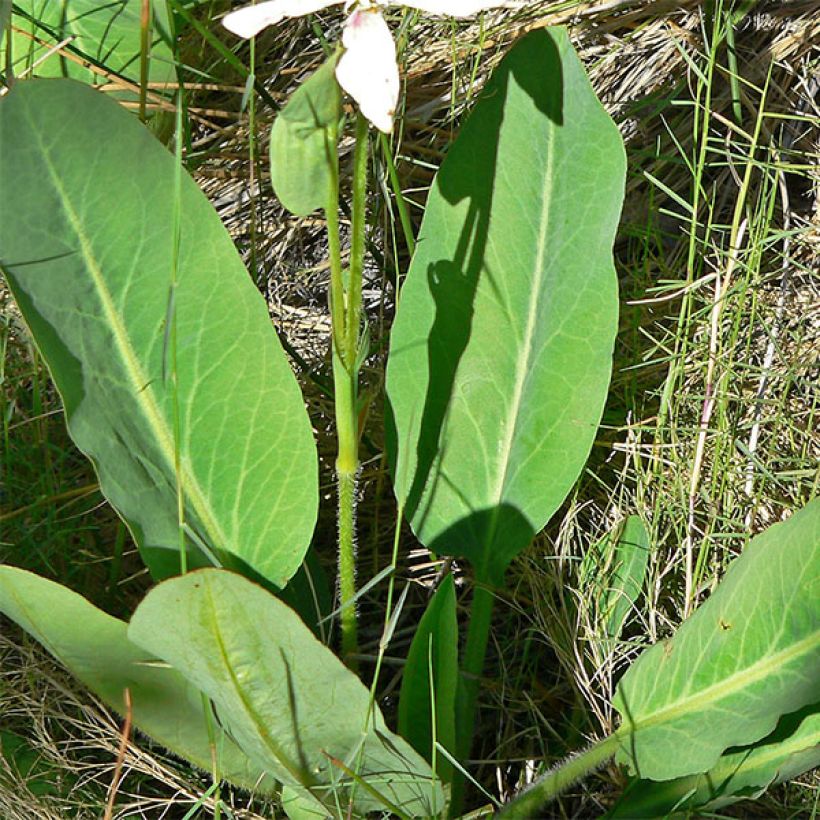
347,565
529,803
345,309
347,468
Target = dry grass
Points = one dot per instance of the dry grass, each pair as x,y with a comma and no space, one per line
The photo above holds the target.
73,743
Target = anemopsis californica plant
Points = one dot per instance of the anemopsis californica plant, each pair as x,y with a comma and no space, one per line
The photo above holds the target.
503,335
367,70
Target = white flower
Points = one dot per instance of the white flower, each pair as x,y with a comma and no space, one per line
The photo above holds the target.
367,70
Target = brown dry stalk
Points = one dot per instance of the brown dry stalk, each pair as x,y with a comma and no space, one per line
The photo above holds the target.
126,733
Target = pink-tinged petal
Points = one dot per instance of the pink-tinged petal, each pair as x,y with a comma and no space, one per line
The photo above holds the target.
455,8
367,70
248,21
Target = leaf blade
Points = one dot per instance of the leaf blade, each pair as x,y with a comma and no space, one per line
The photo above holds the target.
748,655
435,644
87,252
289,702
792,749
498,307
631,558
109,34
302,151
95,648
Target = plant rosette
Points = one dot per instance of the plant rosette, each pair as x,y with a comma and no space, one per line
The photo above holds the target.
367,70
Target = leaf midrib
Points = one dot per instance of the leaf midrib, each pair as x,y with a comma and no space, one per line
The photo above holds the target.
302,778
724,688
523,368
143,392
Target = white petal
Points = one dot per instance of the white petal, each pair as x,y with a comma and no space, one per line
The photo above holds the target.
453,8
367,70
248,21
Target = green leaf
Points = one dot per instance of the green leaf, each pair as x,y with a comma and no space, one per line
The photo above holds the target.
95,648
433,654
502,346
24,763
297,806
107,33
627,575
88,249
792,749
748,655
302,142
288,701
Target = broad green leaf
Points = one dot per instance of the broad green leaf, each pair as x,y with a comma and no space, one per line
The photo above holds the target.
793,748
627,574
95,648
288,701
502,346
433,656
748,655
302,149
107,33
88,249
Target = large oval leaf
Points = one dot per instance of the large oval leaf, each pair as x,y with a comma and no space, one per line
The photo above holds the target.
87,246
95,648
502,346
289,702
793,748
106,34
748,655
